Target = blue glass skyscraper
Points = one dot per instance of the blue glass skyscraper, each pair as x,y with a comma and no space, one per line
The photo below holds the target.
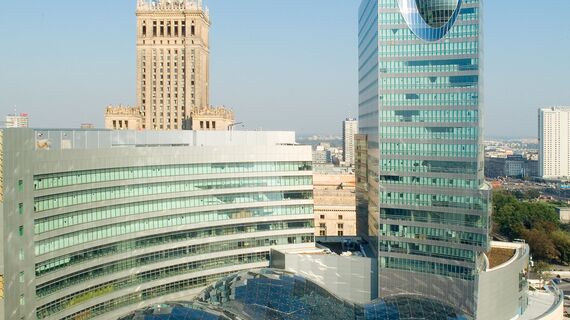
420,107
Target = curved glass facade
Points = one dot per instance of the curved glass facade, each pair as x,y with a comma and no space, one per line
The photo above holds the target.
430,20
268,294
100,228
421,107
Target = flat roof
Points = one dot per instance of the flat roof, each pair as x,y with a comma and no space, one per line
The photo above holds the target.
539,303
499,256
73,139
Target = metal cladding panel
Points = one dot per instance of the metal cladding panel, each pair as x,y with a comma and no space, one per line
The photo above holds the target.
421,102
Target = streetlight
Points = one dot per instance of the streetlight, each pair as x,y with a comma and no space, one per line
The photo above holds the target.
231,126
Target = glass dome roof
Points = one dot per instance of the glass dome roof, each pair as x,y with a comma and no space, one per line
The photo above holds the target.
430,20
269,294
436,13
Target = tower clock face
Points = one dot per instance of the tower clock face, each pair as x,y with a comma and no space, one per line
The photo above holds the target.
430,20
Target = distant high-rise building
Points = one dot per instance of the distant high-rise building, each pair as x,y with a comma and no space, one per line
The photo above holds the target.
87,126
321,154
554,141
17,120
420,107
172,61
349,129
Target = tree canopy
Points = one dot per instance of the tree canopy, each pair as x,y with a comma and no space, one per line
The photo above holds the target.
535,222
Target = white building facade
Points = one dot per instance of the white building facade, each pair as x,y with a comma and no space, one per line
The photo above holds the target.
349,129
554,142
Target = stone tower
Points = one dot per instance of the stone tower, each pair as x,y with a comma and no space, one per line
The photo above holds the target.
172,61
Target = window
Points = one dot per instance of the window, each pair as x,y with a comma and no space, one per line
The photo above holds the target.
340,233
340,226
22,300
322,216
322,225
340,217
201,124
322,233
21,277
21,231
21,255
20,208
21,185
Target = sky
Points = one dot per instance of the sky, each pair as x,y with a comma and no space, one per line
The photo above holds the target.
281,65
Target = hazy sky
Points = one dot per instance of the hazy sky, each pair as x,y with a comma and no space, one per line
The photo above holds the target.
281,65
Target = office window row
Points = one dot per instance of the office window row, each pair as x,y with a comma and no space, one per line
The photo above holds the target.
63,179
139,190
143,295
108,288
452,219
434,200
125,228
95,253
447,270
165,255
205,215
434,234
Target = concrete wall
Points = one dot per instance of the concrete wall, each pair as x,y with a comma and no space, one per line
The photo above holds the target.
350,278
556,312
500,296
563,214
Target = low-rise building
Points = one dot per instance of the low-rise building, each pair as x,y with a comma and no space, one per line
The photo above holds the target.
335,204
515,166
563,214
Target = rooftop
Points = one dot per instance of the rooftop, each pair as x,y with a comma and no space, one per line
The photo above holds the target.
60,139
540,304
172,5
499,256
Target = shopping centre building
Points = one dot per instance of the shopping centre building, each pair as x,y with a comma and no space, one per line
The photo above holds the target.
97,223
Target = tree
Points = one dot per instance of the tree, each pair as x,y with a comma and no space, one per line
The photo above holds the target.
561,240
541,245
536,222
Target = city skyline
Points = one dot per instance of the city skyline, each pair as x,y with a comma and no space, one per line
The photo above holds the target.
60,81
166,211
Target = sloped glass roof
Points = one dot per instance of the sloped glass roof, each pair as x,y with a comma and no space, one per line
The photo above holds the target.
269,294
